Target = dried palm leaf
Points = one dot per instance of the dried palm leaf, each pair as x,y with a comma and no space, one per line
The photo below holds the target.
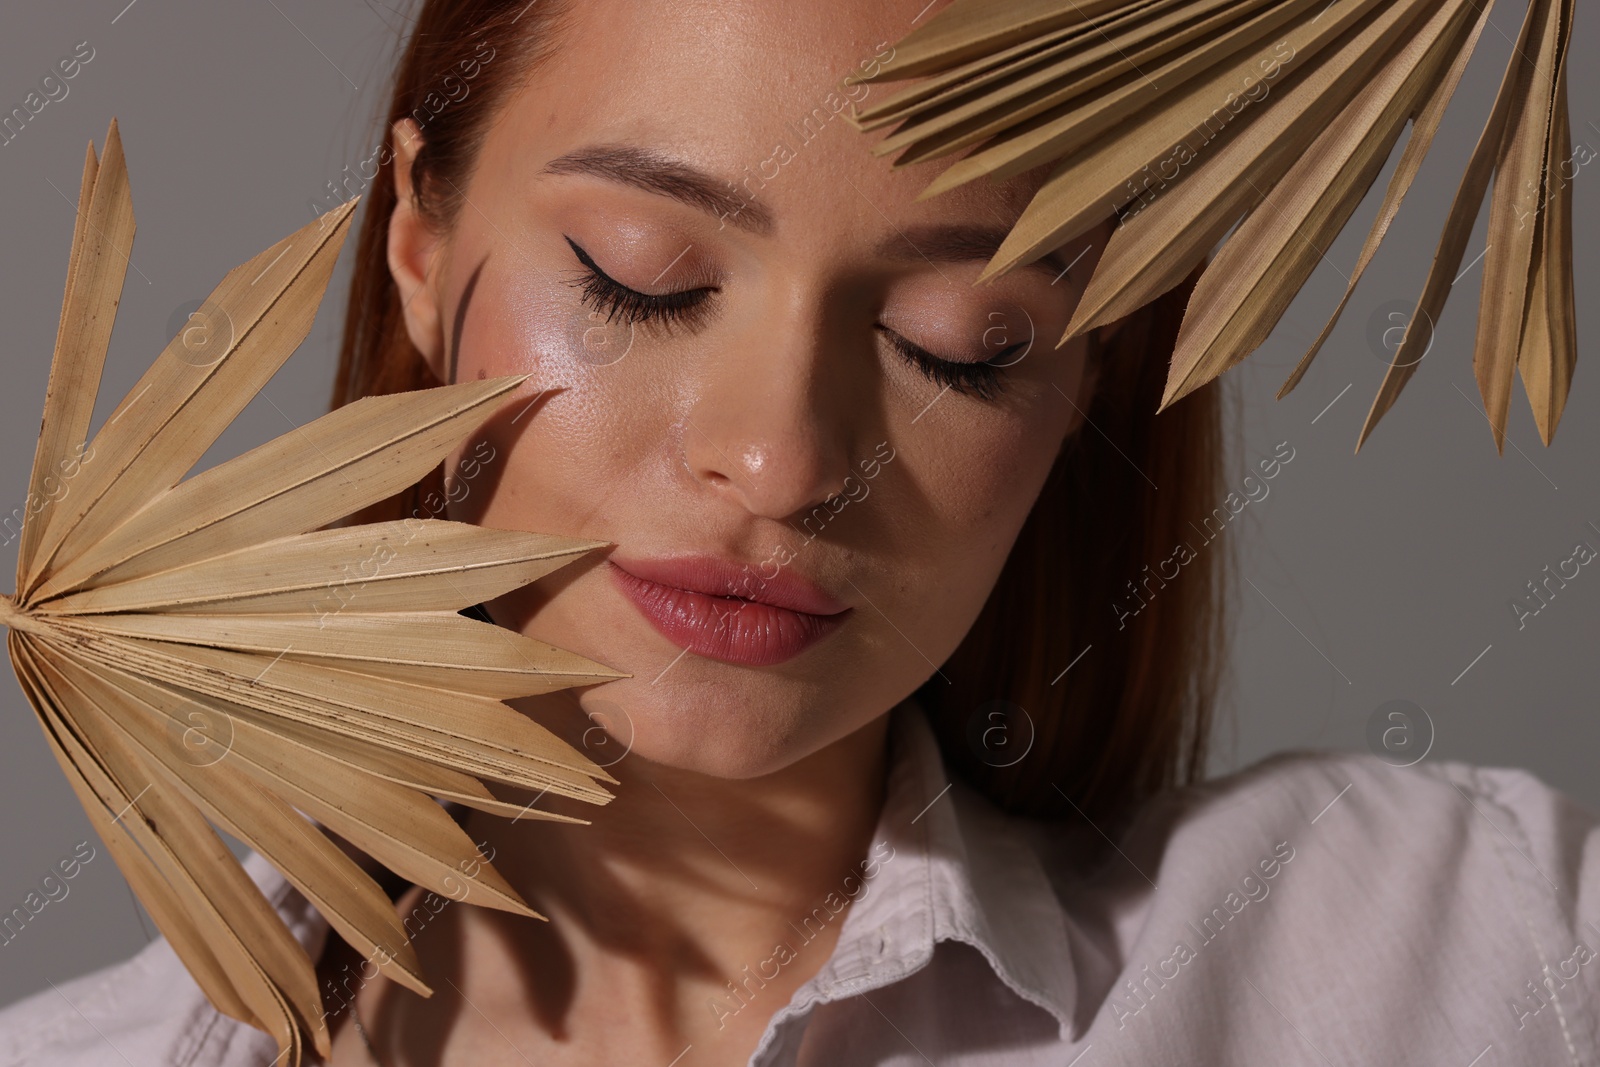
1268,120
201,656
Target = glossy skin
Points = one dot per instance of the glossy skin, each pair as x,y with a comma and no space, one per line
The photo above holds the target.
748,790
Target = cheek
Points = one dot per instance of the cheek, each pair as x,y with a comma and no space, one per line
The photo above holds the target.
525,320
984,491
974,479
588,415
982,470
978,471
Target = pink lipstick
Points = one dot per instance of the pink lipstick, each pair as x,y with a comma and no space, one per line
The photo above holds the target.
728,611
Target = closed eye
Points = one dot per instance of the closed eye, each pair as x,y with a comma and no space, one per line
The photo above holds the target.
981,378
686,307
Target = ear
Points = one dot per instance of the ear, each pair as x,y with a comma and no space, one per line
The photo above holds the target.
415,250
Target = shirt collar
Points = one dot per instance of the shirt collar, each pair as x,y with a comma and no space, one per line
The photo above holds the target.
957,870
945,865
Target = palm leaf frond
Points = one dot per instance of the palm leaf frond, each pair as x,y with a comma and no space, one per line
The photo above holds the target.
202,656
1268,120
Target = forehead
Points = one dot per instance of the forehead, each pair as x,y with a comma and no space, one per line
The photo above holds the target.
751,91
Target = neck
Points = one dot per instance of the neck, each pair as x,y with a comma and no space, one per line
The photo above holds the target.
676,846
666,905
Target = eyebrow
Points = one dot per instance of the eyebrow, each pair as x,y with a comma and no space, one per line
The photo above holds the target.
959,243
657,173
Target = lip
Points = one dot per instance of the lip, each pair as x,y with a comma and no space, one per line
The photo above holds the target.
728,611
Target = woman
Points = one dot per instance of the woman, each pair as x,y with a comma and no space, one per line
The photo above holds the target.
898,754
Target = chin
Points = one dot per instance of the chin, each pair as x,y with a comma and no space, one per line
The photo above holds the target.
707,723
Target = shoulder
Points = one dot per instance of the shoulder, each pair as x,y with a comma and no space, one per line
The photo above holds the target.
1361,796
144,1010
147,1009
1424,826
1340,879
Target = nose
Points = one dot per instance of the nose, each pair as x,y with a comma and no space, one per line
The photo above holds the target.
769,425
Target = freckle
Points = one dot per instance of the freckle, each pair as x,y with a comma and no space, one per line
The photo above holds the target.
481,374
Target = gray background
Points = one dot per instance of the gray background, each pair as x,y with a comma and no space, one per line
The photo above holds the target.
1371,578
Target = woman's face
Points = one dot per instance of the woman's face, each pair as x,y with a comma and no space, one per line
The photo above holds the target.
758,366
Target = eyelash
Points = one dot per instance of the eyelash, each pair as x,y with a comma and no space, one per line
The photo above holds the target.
982,379
617,301
688,307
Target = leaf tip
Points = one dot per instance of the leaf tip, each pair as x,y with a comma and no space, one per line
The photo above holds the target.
1078,325
1174,392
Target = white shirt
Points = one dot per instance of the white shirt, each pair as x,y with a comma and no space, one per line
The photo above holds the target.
1318,909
